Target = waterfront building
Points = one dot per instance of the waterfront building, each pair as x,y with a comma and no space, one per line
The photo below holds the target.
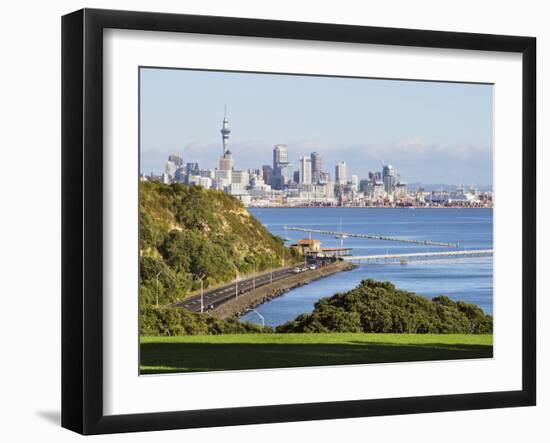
340,173
378,190
307,246
316,167
329,189
440,197
259,188
401,190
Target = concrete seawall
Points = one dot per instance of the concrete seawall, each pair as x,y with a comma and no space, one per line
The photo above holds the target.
251,299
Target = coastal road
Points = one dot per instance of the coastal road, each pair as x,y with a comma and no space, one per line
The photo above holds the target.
215,297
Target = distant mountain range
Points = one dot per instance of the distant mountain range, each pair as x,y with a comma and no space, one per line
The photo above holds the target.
447,187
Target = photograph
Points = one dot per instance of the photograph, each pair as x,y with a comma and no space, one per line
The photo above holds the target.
291,220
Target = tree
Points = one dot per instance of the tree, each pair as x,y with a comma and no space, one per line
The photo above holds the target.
381,307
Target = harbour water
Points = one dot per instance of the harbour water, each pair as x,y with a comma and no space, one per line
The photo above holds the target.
468,279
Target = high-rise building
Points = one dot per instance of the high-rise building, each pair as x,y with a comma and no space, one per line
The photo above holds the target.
226,162
180,175
267,174
365,186
340,173
354,182
240,177
305,170
280,155
170,169
225,131
324,177
282,176
316,167
176,159
206,173
282,169
191,168
389,178
375,176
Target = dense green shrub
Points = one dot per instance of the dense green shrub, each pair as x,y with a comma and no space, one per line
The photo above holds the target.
180,321
380,307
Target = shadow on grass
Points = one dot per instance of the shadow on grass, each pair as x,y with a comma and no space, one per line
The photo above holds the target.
198,357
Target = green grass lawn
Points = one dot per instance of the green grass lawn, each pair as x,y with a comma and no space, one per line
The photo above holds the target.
260,351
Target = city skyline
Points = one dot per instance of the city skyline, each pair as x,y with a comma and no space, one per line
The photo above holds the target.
169,127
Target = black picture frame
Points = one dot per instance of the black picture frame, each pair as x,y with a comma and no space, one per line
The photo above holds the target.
82,218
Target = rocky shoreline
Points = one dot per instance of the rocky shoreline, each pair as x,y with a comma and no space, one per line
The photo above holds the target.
251,299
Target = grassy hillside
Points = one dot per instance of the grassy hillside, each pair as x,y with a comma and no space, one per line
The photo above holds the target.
248,351
187,232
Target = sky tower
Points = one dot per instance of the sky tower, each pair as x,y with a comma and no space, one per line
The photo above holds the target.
225,131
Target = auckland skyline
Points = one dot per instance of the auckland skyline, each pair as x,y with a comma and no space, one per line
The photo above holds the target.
432,132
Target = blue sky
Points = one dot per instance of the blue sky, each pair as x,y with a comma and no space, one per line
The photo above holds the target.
431,132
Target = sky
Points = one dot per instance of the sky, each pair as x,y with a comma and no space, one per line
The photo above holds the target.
431,132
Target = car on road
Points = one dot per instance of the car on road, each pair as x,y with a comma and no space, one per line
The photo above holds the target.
312,267
296,270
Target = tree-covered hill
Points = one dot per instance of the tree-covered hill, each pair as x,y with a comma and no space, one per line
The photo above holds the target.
187,232
380,307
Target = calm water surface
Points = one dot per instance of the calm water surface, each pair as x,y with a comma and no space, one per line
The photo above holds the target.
468,279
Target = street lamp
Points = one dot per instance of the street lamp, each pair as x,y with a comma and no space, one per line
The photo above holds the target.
157,277
202,293
236,282
259,315
254,277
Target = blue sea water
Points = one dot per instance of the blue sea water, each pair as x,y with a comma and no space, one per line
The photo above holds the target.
468,279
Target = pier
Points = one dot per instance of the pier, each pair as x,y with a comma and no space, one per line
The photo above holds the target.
373,237
420,255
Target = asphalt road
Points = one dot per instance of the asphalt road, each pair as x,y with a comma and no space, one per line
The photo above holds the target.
215,297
